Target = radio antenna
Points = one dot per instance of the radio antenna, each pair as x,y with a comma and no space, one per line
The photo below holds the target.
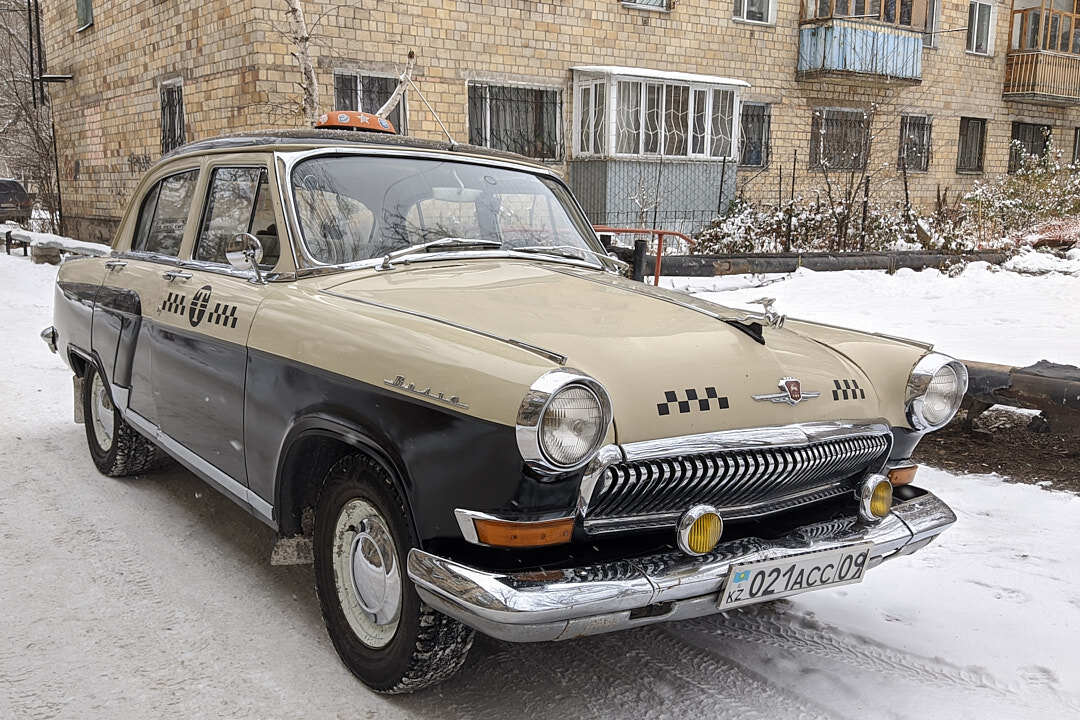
405,82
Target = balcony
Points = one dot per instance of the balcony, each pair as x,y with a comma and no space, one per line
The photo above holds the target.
871,41
1043,63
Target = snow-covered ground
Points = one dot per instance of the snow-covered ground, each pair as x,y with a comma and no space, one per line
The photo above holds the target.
984,314
153,597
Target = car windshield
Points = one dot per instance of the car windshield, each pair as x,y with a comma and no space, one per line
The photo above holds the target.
354,208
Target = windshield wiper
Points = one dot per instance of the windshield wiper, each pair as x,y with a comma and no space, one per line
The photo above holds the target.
574,252
443,244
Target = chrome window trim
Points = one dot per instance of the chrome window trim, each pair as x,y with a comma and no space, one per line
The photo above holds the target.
291,159
919,382
535,404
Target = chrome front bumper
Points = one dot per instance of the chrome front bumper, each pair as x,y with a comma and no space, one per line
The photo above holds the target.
564,604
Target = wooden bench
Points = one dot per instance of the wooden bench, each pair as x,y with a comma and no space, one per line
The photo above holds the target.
9,241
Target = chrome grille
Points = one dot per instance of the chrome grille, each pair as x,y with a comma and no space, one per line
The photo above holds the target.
740,483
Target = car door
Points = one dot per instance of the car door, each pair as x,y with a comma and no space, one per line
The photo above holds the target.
130,298
200,349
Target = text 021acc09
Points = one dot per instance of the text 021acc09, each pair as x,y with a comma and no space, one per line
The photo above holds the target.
754,582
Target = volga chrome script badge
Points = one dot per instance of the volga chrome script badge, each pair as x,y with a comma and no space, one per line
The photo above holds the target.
400,383
792,394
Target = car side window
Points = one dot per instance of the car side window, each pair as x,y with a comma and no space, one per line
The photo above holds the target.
239,201
164,213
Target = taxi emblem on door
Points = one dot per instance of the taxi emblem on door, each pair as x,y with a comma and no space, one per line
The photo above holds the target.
199,302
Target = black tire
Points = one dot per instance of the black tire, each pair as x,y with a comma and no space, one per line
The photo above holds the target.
129,453
427,646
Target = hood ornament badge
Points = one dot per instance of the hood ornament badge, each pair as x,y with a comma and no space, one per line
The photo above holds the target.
773,318
792,394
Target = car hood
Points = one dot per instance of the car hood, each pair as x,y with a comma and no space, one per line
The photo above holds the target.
671,370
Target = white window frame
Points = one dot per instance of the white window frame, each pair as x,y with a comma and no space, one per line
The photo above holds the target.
971,42
579,116
360,75
738,13
611,83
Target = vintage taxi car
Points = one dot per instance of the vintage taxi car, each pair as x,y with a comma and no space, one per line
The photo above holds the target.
418,358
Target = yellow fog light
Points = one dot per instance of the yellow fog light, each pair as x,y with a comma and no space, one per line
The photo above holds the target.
700,530
875,498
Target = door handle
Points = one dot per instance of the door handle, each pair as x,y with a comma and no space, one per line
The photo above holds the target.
115,264
171,275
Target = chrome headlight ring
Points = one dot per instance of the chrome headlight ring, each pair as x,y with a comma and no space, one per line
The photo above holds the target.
534,406
918,386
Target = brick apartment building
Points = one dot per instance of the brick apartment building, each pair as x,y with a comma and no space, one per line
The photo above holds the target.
706,95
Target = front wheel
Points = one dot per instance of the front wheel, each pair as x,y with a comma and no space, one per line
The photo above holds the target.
381,629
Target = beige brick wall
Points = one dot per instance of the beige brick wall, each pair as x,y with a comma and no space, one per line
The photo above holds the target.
238,74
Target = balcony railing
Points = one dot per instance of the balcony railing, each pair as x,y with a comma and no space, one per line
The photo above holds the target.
1043,77
837,47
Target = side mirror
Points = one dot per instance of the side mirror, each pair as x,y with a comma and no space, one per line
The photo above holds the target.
244,252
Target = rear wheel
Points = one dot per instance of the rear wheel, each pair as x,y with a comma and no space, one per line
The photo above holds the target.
382,631
116,448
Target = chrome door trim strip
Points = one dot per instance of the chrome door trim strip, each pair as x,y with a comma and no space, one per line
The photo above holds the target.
557,358
232,489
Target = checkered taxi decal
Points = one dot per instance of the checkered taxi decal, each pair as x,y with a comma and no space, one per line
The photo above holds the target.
711,401
848,390
198,309
174,303
223,314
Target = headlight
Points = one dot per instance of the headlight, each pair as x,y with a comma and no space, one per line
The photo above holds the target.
562,421
934,391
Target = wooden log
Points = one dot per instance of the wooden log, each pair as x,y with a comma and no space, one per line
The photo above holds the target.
712,265
1049,387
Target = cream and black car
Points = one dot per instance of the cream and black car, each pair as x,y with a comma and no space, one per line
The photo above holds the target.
417,361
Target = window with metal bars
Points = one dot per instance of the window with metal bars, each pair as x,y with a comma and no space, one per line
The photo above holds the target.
84,12
172,116
915,143
754,135
1032,138
650,4
368,93
969,156
839,139
523,120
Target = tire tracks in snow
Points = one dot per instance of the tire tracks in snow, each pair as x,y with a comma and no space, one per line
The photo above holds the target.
765,626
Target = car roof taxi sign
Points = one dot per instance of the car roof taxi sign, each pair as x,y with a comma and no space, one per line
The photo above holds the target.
352,120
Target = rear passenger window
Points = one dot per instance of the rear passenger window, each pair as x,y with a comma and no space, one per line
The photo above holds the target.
164,212
239,202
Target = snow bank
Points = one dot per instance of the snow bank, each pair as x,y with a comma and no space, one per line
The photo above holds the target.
1033,262
59,242
981,314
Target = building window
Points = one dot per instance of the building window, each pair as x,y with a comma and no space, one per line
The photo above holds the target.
591,107
522,120
753,11
839,139
930,36
84,11
914,143
172,116
978,28
649,4
969,157
654,118
754,124
368,93
1028,139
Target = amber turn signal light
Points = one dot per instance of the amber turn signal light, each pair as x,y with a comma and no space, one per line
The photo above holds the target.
903,475
502,533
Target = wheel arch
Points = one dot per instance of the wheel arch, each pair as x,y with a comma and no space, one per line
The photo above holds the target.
311,447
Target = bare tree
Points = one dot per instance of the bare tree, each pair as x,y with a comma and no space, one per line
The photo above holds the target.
300,37
26,131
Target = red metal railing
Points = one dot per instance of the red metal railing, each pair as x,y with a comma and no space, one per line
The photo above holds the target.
660,235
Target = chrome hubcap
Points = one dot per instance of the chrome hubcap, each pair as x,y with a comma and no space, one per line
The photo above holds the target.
366,573
101,413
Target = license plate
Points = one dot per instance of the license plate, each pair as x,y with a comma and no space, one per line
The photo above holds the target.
755,582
